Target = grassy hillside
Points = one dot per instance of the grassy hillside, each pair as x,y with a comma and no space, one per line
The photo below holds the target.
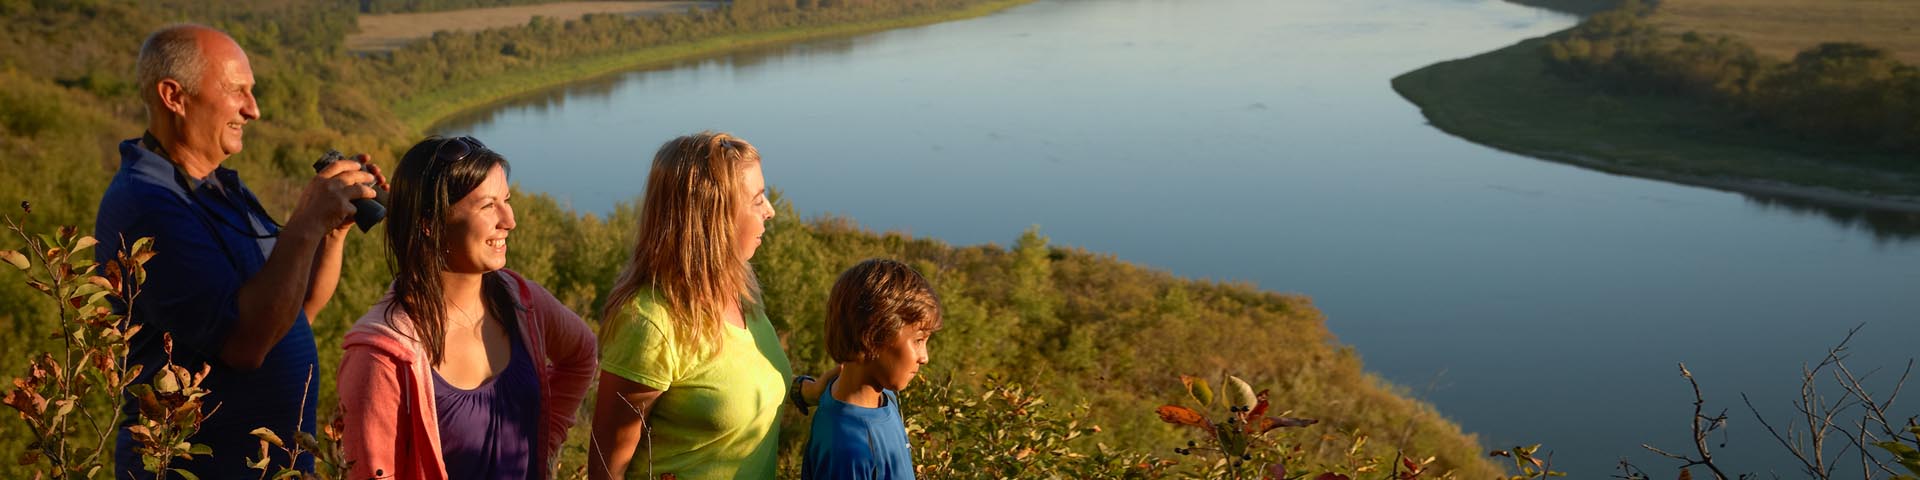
1781,28
1511,100
1076,327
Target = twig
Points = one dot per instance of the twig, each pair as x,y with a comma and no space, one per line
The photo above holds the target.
1699,437
1631,472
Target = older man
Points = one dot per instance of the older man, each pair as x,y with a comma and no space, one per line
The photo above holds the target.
233,288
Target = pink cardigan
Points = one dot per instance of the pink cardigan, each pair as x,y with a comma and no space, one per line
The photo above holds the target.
386,387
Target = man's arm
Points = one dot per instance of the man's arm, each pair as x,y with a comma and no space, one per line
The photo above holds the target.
326,264
277,294
325,276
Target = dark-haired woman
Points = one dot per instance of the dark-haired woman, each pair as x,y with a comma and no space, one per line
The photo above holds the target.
465,369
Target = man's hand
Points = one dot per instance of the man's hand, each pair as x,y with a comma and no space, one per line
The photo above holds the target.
327,202
379,181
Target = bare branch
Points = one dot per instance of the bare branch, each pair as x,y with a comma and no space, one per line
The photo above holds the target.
1791,446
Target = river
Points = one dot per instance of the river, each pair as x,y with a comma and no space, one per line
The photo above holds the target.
1258,140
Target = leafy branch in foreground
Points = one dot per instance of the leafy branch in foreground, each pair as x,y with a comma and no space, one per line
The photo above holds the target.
70,399
1006,431
329,454
1244,443
85,379
1530,464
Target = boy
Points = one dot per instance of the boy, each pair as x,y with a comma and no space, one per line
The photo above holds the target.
879,317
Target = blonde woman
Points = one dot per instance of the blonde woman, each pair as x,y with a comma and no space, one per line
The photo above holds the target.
692,375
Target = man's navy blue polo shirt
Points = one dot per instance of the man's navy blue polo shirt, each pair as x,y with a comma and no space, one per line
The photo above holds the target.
203,253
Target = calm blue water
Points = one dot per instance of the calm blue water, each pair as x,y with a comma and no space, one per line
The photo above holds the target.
1259,140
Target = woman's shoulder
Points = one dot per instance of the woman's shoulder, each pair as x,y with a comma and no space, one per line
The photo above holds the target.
526,292
648,302
384,317
385,327
648,309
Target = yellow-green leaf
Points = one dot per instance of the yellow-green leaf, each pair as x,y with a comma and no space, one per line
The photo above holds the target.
1239,393
65,407
261,464
1197,389
165,381
142,250
19,261
267,435
84,243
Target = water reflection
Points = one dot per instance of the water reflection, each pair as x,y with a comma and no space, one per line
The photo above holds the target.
1886,226
744,64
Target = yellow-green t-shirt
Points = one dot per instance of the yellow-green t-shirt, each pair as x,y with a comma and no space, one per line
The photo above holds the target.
717,416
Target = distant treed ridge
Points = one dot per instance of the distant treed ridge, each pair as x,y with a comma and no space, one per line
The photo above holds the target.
1854,96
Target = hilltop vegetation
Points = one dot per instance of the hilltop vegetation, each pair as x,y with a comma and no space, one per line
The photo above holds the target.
1076,327
1781,29
1837,93
1838,124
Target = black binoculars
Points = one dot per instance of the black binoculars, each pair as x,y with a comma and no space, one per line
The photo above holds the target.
366,211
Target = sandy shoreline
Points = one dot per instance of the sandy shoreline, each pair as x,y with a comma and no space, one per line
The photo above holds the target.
387,32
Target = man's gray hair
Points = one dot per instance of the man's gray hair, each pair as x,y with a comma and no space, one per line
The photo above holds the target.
170,52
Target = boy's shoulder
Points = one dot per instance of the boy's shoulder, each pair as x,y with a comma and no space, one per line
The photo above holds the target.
853,442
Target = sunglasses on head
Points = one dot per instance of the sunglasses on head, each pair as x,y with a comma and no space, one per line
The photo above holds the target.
457,148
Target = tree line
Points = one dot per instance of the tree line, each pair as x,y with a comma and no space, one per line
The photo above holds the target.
1849,95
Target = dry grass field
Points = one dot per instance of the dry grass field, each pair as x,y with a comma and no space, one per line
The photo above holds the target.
1781,28
391,31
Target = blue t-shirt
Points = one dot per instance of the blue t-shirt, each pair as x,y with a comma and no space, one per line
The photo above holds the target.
203,252
857,443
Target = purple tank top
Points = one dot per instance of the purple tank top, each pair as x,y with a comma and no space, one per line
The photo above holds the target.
489,432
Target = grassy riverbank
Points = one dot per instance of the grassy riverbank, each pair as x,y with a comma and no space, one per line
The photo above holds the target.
421,112
1508,99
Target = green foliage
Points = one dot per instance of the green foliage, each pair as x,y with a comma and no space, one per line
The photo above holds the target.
1906,456
68,400
1509,99
1246,442
1004,430
1530,465
1844,94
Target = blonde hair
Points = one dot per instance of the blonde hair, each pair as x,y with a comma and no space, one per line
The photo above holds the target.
686,248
